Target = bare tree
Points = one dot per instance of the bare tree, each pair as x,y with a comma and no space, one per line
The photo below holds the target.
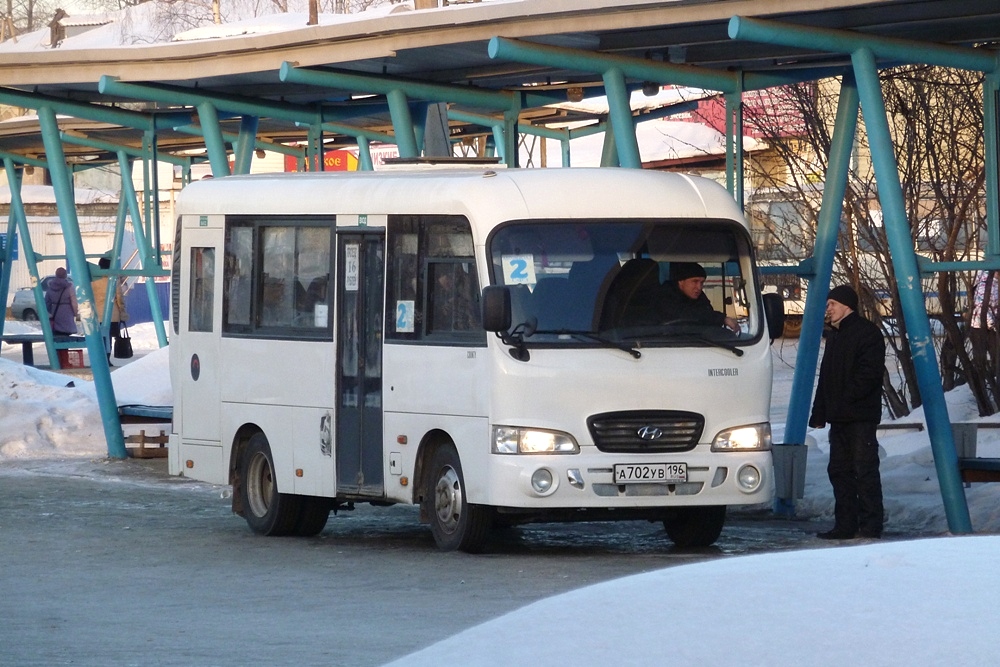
29,15
936,120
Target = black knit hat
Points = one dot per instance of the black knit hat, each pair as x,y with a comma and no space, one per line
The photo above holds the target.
844,294
684,270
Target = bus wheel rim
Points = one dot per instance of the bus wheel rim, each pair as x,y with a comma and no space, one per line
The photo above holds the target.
448,500
260,486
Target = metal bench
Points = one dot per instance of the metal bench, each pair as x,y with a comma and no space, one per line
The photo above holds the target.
28,341
145,414
971,467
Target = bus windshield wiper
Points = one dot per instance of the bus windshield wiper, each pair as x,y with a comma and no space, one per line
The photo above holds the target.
702,338
631,348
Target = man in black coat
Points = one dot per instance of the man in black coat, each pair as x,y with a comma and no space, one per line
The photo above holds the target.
849,398
683,297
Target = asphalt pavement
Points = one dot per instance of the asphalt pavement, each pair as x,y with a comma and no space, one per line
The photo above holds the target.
106,562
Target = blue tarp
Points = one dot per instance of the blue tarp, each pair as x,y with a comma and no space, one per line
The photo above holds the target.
137,302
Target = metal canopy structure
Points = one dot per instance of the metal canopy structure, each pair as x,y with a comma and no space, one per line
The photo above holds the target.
497,68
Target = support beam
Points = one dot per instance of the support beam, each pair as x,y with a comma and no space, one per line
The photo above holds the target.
991,147
734,146
402,124
911,296
218,157
620,116
846,41
245,144
384,85
97,112
148,263
81,139
827,228
587,61
77,260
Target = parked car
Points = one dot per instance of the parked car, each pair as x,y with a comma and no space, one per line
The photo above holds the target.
23,307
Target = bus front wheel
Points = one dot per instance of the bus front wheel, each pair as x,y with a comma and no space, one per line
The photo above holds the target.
695,526
267,511
455,523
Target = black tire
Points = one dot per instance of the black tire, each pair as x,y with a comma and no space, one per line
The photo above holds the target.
29,315
695,526
455,523
267,511
313,515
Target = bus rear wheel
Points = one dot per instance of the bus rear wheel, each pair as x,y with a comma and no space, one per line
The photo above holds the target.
695,526
455,522
313,515
267,511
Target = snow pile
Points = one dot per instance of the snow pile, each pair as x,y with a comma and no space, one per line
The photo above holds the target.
924,602
47,415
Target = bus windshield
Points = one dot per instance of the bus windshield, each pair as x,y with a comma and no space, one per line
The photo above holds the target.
650,282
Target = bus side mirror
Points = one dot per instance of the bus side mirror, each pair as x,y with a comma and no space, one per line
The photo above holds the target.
774,314
496,308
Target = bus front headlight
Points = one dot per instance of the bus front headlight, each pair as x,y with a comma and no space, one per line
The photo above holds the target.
743,438
514,440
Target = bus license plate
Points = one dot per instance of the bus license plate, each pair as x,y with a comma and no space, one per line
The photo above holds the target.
664,473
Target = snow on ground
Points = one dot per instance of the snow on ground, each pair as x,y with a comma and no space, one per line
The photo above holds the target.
928,602
54,415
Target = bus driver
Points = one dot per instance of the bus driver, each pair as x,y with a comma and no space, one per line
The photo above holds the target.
683,297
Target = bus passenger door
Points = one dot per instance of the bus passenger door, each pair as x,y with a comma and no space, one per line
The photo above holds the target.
360,271
201,285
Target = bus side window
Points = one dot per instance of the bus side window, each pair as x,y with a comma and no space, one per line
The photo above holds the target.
432,289
237,278
452,301
201,300
277,278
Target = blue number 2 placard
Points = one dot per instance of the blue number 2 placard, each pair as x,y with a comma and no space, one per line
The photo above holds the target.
518,270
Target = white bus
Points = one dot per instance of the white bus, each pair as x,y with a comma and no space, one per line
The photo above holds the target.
330,347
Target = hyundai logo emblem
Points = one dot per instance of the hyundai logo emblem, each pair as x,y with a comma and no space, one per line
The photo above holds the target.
649,433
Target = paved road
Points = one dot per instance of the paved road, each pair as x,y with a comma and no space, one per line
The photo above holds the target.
116,563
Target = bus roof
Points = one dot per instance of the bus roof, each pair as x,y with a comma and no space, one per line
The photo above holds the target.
487,195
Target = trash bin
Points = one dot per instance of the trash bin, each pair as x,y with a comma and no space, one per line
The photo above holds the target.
789,470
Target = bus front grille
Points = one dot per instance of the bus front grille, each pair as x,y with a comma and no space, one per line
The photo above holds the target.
646,431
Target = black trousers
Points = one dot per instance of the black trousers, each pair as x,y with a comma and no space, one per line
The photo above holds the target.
853,471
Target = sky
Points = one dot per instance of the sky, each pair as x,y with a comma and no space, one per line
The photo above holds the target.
928,601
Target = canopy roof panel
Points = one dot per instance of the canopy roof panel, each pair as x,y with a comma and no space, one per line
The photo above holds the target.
450,46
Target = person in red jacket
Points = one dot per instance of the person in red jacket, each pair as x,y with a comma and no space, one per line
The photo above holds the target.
849,398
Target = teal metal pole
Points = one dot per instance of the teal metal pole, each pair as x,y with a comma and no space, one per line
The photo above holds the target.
991,119
827,228
586,61
734,146
609,153
911,296
246,143
499,141
98,112
314,147
379,85
77,259
402,123
84,140
17,213
218,157
10,240
364,155
145,254
620,115
846,41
